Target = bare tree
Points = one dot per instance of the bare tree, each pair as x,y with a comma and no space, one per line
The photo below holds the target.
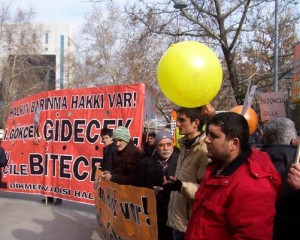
23,70
233,29
115,51
241,32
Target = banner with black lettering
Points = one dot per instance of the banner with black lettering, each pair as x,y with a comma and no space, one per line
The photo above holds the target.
271,105
124,212
52,139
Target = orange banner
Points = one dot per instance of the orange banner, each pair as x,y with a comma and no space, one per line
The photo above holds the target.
174,128
52,139
124,212
296,77
173,125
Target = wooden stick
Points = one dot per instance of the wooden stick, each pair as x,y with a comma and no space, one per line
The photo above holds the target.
298,152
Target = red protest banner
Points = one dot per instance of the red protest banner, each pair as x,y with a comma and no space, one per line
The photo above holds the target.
52,139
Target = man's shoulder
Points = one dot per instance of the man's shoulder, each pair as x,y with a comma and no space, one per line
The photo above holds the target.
111,146
147,161
2,151
256,154
136,153
175,154
261,165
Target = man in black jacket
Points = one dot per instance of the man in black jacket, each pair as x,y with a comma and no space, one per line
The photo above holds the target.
149,145
280,140
156,169
126,160
108,150
3,159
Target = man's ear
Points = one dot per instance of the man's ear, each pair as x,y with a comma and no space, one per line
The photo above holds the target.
197,122
294,141
235,143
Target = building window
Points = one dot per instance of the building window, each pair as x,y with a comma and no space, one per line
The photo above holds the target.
46,38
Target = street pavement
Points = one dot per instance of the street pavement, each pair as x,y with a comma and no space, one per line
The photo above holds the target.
25,217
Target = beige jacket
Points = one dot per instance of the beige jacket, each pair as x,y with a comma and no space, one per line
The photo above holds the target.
190,170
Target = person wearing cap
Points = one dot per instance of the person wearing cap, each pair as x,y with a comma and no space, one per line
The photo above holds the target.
155,170
149,145
126,160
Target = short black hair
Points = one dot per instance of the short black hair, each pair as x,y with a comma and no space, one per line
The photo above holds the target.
106,131
193,114
233,125
152,134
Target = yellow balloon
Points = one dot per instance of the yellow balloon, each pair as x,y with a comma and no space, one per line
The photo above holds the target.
189,74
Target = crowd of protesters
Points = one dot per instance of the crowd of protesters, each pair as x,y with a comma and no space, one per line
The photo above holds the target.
218,184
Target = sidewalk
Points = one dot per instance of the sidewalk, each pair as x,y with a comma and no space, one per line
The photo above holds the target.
25,217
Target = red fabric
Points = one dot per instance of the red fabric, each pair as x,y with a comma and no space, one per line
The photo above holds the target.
52,139
239,206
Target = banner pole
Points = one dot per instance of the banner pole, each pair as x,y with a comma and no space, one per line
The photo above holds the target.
298,153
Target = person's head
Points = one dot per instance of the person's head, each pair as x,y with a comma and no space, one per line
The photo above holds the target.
106,135
121,137
190,121
280,131
164,144
151,138
227,135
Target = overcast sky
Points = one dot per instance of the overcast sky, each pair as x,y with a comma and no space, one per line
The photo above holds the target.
57,11
64,11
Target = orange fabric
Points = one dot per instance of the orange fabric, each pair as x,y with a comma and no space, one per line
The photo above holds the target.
124,211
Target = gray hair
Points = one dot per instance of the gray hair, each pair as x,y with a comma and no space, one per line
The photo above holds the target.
279,131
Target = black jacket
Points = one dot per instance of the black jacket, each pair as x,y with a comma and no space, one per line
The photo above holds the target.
151,175
3,159
126,165
287,219
106,164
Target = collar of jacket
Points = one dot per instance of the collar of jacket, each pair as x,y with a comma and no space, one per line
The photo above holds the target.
196,145
257,167
238,161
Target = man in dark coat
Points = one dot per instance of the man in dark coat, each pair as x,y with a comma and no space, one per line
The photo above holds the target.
126,160
156,169
3,159
280,140
149,145
108,150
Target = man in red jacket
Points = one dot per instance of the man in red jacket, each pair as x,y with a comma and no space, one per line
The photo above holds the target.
236,199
